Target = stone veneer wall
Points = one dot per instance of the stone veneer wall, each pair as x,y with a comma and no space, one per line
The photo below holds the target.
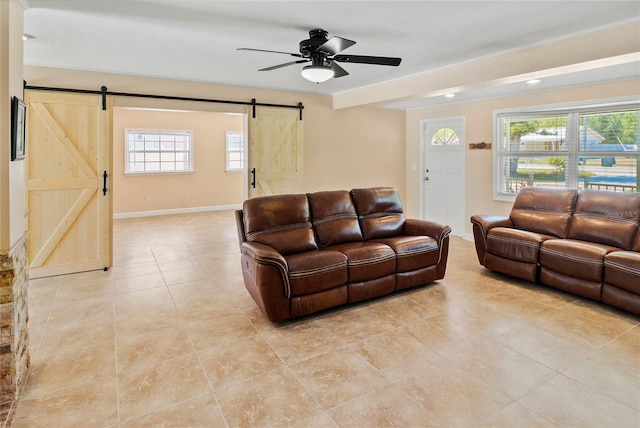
14,335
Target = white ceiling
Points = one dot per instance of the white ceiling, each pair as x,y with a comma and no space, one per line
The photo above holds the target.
196,40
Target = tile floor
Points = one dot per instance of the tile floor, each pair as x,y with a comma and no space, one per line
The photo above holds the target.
170,337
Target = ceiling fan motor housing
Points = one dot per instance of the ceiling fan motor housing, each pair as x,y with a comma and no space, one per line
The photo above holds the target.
316,39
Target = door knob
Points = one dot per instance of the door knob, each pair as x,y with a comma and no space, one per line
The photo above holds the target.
426,179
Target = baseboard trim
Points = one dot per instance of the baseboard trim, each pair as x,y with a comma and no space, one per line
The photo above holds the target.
176,211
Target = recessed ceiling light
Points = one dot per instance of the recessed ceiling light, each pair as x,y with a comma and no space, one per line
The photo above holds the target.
26,36
533,81
450,95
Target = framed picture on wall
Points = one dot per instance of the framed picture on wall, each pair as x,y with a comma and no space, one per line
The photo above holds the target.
18,129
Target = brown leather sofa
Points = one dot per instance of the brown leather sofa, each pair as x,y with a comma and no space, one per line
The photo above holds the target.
304,253
585,242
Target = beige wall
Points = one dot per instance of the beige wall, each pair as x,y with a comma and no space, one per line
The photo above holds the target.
344,149
208,186
479,127
12,181
353,148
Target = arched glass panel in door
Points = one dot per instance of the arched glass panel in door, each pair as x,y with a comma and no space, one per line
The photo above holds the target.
445,137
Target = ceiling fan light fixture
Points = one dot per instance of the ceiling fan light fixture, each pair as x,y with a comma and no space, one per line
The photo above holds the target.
317,73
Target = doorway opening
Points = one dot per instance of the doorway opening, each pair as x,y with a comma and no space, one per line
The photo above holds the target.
210,185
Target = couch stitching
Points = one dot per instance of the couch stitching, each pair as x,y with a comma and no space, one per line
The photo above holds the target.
571,257
619,266
335,217
378,259
607,217
318,270
305,225
514,241
416,251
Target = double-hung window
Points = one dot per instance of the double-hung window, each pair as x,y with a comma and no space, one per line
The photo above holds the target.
158,151
235,151
577,148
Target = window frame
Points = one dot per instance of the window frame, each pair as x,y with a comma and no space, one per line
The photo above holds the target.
157,131
572,152
227,151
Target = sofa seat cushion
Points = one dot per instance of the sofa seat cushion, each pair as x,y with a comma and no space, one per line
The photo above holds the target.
577,259
367,260
315,271
515,244
622,269
413,252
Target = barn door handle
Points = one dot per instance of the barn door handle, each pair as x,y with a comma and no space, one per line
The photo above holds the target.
104,183
253,178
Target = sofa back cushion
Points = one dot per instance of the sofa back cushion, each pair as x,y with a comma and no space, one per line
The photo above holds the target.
609,218
334,217
379,211
280,221
636,244
545,211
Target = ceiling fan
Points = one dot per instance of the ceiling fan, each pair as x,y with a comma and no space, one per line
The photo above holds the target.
323,54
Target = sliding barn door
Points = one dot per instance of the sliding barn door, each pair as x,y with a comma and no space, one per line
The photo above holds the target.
68,152
275,151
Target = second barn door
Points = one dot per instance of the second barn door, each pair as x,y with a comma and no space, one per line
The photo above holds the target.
275,151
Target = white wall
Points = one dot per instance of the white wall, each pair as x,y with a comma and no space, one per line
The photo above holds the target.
12,178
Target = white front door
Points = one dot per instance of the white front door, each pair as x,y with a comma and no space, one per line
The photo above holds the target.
443,172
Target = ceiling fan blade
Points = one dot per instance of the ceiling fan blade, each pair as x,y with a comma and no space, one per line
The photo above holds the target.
338,71
363,59
274,67
335,45
265,50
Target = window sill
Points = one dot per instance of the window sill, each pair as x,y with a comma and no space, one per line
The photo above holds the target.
139,174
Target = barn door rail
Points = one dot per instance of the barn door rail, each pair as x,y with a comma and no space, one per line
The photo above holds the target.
104,92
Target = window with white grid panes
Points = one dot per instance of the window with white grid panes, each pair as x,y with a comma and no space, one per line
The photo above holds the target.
235,151
593,147
158,151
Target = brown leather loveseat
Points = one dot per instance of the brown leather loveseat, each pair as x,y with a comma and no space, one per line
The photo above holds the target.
585,242
304,253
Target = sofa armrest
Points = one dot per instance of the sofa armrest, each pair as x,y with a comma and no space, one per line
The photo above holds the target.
481,226
486,222
266,255
427,228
